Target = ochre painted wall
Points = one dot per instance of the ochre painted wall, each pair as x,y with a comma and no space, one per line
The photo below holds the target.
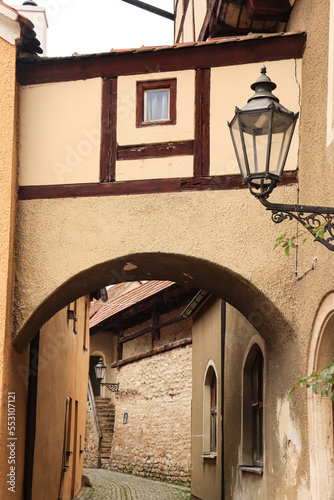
63,373
13,367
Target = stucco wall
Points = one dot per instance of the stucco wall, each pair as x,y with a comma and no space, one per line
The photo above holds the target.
62,374
156,394
13,367
62,121
206,472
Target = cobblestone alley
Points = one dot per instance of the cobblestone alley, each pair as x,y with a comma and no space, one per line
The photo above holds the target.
114,485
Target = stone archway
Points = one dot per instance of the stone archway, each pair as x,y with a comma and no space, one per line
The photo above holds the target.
222,282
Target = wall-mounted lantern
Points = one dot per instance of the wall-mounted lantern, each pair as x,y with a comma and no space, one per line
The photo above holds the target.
100,371
261,134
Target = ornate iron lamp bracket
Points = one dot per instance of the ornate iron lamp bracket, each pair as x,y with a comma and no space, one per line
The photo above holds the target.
111,387
309,216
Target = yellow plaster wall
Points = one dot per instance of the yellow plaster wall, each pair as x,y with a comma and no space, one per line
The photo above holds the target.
13,367
230,87
178,11
127,133
63,373
188,27
155,168
62,121
200,11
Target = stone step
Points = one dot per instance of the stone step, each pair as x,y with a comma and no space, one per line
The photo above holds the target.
106,413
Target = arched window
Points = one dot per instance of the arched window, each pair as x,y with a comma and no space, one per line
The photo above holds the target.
253,409
210,412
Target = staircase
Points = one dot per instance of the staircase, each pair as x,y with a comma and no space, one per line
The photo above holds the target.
106,414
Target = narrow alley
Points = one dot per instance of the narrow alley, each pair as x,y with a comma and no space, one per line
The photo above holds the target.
117,486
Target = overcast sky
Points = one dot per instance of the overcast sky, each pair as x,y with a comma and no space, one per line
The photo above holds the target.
87,27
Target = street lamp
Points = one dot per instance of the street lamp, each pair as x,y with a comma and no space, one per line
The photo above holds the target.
261,134
100,371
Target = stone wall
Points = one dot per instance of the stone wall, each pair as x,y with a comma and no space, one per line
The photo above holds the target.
91,441
155,393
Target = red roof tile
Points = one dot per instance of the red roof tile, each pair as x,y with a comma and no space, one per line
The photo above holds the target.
128,299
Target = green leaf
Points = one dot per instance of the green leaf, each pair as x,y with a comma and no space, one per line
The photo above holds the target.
315,388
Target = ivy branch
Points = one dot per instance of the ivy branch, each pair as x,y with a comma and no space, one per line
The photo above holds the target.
323,379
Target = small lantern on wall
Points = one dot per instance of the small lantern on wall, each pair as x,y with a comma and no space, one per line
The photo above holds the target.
100,370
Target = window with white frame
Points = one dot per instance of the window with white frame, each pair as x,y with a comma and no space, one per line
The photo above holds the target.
156,103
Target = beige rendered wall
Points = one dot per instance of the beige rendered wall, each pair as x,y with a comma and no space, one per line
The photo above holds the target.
230,87
63,373
62,121
240,336
206,472
200,11
13,367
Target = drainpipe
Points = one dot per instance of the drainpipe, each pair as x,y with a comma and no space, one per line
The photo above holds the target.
223,335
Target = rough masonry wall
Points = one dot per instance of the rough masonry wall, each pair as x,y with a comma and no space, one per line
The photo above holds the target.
91,458
156,394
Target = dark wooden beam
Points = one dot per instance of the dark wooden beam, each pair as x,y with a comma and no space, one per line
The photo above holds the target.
162,150
185,8
202,123
222,52
151,8
153,352
213,183
206,21
149,329
108,130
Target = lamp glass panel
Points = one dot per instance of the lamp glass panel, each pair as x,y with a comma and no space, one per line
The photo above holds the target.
281,138
100,369
255,130
239,151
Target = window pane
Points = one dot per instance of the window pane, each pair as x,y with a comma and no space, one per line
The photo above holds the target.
156,105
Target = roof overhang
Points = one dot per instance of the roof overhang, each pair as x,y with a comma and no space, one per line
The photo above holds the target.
227,51
18,30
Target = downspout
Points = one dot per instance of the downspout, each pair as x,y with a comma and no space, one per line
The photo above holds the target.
222,381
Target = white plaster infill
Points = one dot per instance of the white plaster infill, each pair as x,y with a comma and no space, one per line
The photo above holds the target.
10,29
